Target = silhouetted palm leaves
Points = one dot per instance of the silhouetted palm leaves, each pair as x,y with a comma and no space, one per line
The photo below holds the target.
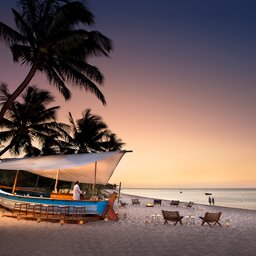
91,134
31,121
48,39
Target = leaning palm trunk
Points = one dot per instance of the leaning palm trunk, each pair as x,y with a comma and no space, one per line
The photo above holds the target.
5,149
18,91
50,41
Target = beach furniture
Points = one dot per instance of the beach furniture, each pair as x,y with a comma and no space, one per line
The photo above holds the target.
48,212
122,204
155,218
135,201
211,217
174,203
173,216
157,202
109,213
189,220
189,204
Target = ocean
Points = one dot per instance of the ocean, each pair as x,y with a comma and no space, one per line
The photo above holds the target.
244,198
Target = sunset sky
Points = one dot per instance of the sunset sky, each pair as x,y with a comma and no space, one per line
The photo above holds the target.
180,88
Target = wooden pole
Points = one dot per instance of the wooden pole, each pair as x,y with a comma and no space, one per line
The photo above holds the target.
37,180
15,181
94,182
119,192
56,182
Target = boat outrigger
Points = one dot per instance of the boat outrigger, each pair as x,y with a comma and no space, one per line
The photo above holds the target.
93,168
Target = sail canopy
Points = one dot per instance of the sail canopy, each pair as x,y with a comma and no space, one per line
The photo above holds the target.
86,168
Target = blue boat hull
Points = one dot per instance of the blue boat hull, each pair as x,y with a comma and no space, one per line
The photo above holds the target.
8,201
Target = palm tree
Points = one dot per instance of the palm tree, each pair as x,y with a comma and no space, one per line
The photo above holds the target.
91,134
50,41
111,142
30,122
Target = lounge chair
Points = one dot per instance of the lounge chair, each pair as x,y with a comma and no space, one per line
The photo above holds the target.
175,203
211,217
173,216
189,204
135,201
122,204
157,201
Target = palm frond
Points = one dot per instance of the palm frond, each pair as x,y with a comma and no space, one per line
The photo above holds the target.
6,135
92,72
24,28
21,52
97,44
4,93
75,77
30,11
57,80
9,35
69,15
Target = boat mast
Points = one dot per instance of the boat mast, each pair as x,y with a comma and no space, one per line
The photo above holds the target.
119,192
94,182
56,182
15,181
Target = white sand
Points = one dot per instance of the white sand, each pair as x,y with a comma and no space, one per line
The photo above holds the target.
132,236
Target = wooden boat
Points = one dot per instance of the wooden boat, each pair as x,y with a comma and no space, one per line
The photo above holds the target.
95,168
208,194
9,200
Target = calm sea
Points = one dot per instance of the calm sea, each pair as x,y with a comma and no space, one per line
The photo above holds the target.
238,198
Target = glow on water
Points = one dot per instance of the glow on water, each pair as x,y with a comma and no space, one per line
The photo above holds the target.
244,198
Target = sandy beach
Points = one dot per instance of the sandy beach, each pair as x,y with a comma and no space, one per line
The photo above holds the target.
131,235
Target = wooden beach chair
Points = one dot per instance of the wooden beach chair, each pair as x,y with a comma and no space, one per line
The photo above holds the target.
173,216
175,203
157,202
122,204
211,217
189,204
135,201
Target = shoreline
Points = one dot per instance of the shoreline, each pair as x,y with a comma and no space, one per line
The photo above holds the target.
132,235
184,202
232,198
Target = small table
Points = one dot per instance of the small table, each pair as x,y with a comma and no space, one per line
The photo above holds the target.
156,217
190,220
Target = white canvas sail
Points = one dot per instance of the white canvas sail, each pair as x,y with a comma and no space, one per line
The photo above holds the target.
73,167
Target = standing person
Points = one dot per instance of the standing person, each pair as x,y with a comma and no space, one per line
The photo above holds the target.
76,191
213,201
210,200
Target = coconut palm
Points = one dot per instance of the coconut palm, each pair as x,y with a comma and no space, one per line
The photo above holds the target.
49,40
111,142
30,123
91,134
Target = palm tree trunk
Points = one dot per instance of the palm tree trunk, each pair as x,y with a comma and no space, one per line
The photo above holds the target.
18,91
5,149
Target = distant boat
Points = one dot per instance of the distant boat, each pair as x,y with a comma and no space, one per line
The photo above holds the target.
207,193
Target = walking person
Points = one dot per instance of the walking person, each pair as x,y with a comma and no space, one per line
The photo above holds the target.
210,200
213,201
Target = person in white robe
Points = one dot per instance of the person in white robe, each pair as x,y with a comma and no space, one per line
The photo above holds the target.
76,191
